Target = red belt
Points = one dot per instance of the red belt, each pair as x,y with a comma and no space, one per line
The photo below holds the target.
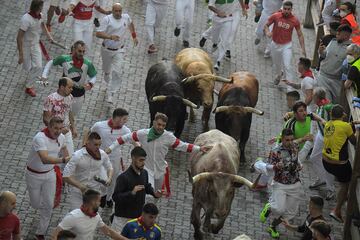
34,171
112,49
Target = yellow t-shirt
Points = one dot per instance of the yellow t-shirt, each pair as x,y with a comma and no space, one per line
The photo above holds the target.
336,134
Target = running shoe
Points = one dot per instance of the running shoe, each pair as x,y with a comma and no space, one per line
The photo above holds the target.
265,212
273,232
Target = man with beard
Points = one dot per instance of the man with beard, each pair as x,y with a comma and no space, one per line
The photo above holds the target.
156,141
84,169
83,221
42,172
283,23
130,190
333,55
9,222
78,68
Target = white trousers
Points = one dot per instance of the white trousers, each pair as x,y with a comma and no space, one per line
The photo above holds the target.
184,16
285,199
220,33
260,34
77,105
113,64
119,223
281,55
316,161
32,63
83,30
75,199
69,143
116,164
234,26
155,13
41,188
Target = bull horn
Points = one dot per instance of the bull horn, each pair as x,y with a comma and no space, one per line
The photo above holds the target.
202,75
202,175
158,98
190,103
242,180
221,109
222,79
254,110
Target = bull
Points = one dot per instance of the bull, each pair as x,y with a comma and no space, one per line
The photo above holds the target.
235,107
165,94
214,178
200,79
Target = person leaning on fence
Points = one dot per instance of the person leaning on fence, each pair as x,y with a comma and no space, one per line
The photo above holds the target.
347,14
353,63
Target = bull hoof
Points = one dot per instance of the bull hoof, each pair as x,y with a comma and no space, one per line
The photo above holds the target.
198,235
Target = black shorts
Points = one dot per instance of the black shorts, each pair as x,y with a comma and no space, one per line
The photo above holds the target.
342,172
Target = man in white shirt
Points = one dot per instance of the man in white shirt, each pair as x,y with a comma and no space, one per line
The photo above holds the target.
155,13
28,44
40,173
222,25
113,29
156,141
84,169
109,131
84,220
58,104
184,19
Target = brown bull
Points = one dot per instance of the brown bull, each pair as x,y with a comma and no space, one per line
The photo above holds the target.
235,104
214,178
197,66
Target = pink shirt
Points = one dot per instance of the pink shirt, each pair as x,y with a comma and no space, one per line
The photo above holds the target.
283,27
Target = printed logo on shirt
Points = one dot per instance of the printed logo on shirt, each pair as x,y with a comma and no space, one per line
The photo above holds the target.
86,9
283,25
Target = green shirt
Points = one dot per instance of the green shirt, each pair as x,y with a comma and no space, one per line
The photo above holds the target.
300,129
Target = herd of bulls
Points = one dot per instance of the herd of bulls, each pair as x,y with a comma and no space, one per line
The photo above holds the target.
189,81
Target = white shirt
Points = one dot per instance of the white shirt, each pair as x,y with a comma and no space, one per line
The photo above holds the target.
271,6
59,106
42,143
82,225
32,28
113,26
308,83
109,135
156,150
84,168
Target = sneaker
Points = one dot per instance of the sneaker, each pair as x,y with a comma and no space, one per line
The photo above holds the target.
277,79
257,18
186,44
217,66
176,32
330,195
267,54
317,184
202,42
265,212
228,54
39,237
48,26
109,203
257,41
152,49
61,18
214,47
336,217
273,232
30,91
96,22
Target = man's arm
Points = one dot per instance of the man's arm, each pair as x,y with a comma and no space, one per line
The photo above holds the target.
293,228
46,159
308,96
56,233
133,33
292,84
108,166
352,140
301,40
69,170
72,181
101,10
111,233
121,190
20,41
127,138
72,125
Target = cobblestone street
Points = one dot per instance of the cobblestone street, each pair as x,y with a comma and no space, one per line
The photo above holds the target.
21,117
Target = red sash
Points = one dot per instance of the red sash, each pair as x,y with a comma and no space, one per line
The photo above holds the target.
58,186
166,183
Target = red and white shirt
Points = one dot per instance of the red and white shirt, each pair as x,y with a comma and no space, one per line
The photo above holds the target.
283,27
59,106
157,149
84,8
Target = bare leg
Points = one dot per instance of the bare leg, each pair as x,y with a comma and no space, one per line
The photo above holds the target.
341,197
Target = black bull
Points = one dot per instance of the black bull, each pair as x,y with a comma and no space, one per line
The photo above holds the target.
165,94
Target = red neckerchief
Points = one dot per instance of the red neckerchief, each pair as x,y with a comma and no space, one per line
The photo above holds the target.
77,62
111,125
35,15
140,220
87,212
307,73
47,133
95,155
322,102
